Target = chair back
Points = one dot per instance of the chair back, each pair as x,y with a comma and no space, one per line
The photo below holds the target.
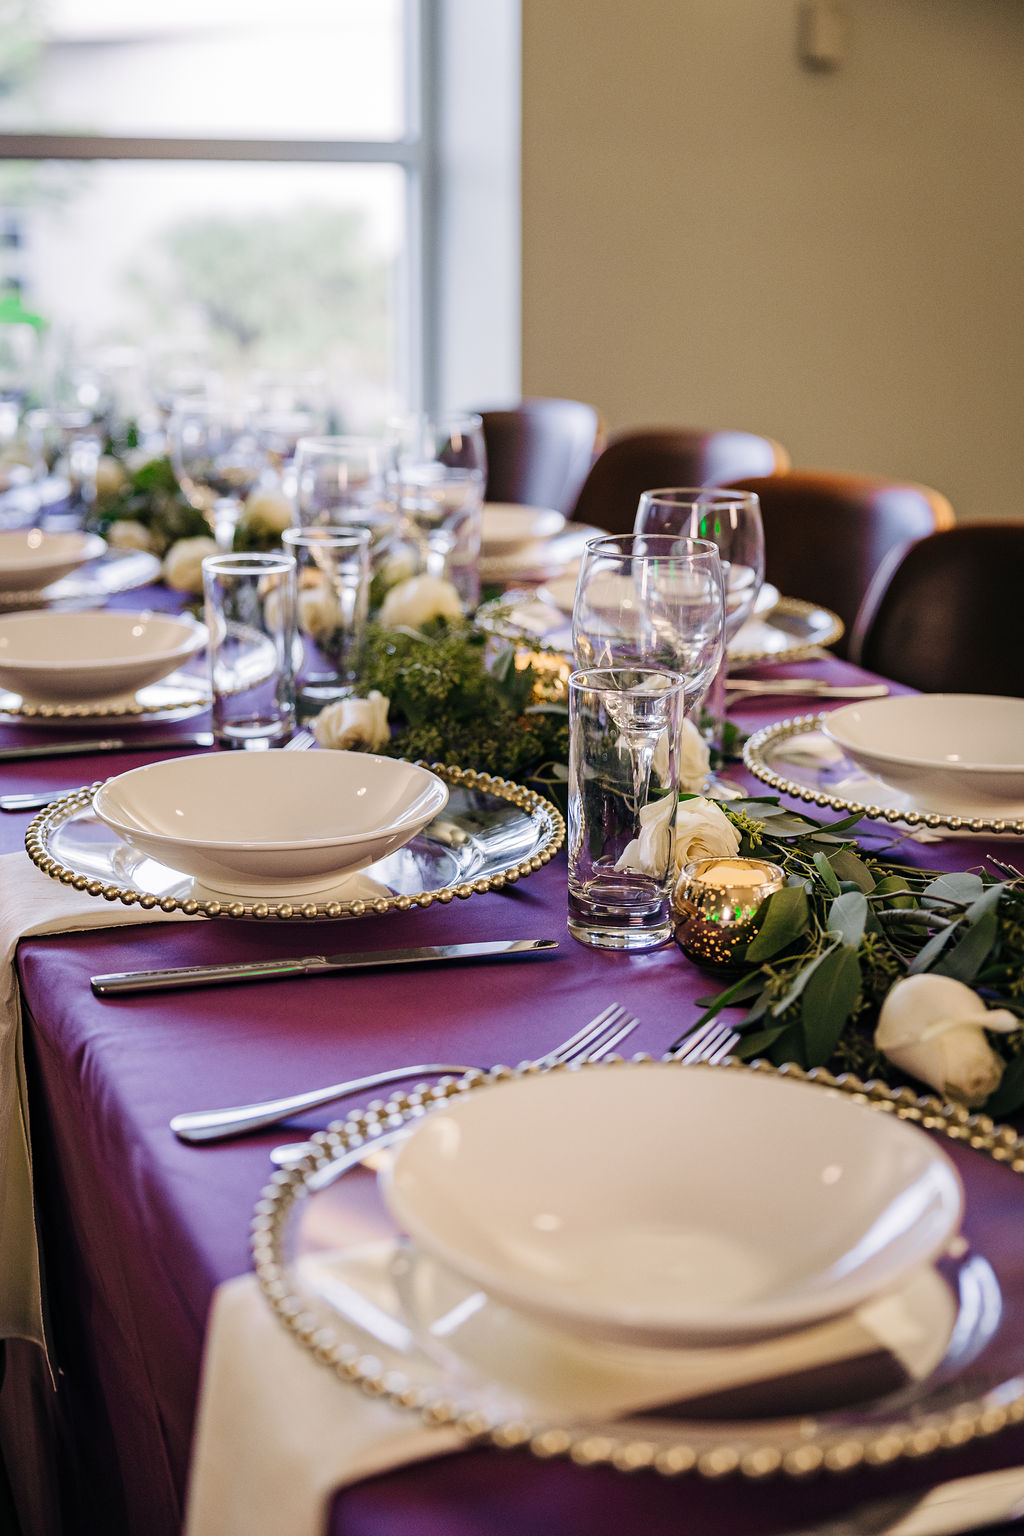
827,533
945,616
660,457
540,451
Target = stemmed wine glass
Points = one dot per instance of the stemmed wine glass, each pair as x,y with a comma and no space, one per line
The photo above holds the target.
731,520
338,480
652,600
442,471
218,458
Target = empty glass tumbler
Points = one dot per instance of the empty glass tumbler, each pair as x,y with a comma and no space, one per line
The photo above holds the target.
333,572
624,725
250,613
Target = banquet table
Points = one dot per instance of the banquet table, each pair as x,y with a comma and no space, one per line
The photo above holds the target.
138,1229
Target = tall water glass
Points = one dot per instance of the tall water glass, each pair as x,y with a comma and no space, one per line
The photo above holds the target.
442,471
249,603
333,567
651,601
341,479
624,725
731,520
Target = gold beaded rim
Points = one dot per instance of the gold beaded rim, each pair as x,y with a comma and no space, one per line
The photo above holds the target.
550,837
755,757
194,699
835,1451
794,608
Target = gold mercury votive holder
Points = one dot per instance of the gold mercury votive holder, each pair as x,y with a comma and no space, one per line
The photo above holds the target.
715,905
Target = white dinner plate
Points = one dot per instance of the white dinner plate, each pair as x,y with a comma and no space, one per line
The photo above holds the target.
673,1208
541,558
507,526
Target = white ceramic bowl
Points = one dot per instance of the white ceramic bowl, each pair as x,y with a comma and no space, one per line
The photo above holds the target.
658,1205
260,823
31,559
507,526
952,752
92,655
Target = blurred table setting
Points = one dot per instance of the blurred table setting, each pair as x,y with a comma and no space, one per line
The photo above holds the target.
626,1280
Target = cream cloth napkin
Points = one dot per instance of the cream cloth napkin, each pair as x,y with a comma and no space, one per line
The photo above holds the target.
277,1432
31,903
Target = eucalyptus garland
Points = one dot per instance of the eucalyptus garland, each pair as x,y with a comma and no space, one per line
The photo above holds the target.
845,927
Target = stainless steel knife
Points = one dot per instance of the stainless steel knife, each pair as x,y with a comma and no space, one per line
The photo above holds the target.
64,748
965,1504
309,965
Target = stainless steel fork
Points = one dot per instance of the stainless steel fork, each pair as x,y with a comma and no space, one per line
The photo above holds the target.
301,741
713,1041
593,1042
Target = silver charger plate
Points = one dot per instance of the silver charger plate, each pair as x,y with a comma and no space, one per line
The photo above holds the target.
791,631
492,833
796,758
970,1386
116,571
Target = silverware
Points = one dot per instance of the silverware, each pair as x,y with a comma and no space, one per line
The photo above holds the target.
31,802
711,1041
801,687
117,982
215,1124
300,742
593,1042
104,744
964,1504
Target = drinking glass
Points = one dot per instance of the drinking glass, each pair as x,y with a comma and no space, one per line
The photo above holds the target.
340,480
218,458
249,603
651,600
333,569
624,725
442,470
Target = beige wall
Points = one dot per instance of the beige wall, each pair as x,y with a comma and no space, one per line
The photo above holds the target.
716,236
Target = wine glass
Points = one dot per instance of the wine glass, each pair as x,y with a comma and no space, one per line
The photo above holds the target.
339,480
442,470
652,600
218,458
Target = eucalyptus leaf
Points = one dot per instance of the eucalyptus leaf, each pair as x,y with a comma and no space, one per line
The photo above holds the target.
894,886
922,961
757,1043
969,954
847,916
828,1001
801,980
848,867
785,916
960,888
827,873
788,1046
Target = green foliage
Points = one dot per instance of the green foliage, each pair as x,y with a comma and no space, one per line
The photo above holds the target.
152,497
453,701
845,927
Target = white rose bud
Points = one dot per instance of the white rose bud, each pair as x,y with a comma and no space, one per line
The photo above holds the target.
183,563
703,831
933,1028
319,610
126,533
413,602
694,759
267,512
110,478
651,852
354,724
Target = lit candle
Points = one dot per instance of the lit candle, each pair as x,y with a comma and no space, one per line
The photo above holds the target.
716,903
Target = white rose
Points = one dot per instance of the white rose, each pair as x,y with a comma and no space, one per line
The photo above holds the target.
399,565
319,610
126,533
703,831
360,724
110,478
413,602
267,512
932,1027
651,852
694,758
183,563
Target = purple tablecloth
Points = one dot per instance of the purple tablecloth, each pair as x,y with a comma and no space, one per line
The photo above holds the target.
138,1229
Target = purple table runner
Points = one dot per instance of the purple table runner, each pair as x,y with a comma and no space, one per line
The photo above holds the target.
138,1229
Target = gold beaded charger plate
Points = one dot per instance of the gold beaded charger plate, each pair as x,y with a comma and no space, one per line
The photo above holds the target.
796,758
792,630
491,834
117,571
176,697
386,1320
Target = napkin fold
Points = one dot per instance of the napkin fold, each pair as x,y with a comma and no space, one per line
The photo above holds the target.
277,1433
32,903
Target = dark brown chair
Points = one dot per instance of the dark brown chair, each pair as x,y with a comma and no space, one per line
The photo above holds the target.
945,616
826,534
659,457
540,451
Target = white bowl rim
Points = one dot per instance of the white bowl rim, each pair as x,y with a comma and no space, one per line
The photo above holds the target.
341,840
753,1320
29,556
934,763
193,635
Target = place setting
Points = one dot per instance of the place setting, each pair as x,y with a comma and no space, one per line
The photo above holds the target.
67,568
521,543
